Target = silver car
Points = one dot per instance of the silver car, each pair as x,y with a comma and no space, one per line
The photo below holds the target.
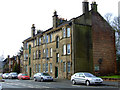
86,78
42,77
13,75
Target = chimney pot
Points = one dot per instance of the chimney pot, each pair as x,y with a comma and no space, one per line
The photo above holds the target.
94,6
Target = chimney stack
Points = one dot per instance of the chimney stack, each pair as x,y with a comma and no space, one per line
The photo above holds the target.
55,19
85,5
94,6
33,30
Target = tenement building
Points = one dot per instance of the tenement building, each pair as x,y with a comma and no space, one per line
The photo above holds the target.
83,44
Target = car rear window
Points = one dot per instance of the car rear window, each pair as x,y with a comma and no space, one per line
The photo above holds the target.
24,74
46,74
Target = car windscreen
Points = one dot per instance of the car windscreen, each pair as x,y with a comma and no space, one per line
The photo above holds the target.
14,74
88,75
46,74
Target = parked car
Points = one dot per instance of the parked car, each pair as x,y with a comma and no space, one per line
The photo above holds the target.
12,75
1,74
23,76
5,75
86,78
42,77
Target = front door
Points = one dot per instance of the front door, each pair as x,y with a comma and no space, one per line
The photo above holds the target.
56,72
30,72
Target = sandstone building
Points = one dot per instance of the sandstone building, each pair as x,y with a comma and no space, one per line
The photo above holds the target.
85,43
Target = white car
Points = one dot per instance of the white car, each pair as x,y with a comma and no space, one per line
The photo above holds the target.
43,77
5,75
86,78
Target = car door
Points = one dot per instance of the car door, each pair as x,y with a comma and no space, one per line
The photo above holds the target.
81,78
38,76
76,77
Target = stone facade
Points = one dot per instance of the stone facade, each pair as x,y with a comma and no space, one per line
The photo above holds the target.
83,44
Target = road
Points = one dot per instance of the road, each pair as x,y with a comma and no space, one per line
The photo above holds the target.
14,83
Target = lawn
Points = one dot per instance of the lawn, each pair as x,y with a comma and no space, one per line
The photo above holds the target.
114,76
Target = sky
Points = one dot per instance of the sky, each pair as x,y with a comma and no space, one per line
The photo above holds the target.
17,17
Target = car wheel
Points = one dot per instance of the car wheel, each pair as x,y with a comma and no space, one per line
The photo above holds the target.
35,79
41,80
87,83
74,82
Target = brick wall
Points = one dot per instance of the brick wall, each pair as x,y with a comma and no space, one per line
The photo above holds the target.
103,45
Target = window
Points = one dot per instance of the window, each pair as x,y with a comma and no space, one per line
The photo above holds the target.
47,39
43,39
50,52
39,41
26,56
50,37
68,48
39,54
43,52
39,68
46,67
96,68
64,32
36,67
57,42
68,67
47,52
68,32
57,57
64,67
50,67
36,54
64,49
29,49
33,55
43,67
26,45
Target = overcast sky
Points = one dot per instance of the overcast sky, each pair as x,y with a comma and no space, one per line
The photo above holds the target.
17,17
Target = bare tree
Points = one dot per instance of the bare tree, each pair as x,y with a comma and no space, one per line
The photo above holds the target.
116,26
108,17
115,23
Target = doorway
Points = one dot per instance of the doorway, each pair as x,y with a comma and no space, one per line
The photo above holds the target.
30,72
56,72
